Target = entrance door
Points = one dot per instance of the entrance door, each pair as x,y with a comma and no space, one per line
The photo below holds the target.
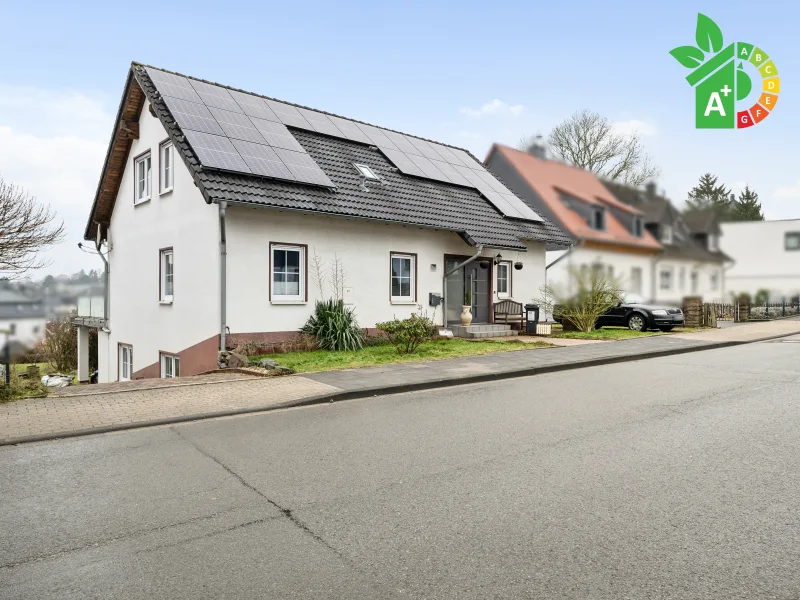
470,277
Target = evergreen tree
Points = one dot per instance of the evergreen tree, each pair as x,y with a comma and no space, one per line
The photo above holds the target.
747,207
707,195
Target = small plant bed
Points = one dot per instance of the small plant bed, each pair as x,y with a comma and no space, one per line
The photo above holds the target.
326,360
614,333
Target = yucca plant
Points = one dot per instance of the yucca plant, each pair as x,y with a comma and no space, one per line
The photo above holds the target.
335,326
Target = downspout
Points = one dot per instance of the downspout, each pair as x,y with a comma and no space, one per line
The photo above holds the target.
106,280
223,276
444,282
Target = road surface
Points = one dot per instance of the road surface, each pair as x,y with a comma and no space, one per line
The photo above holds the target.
668,478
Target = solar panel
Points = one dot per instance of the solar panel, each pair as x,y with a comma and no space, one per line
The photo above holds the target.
423,148
401,141
253,106
493,184
450,172
213,95
303,167
320,122
526,211
237,125
216,151
277,135
501,204
427,167
176,86
262,160
468,160
191,115
289,115
350,130
448,155
376,136
402,162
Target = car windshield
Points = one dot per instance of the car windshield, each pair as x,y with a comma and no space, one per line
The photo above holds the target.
631,298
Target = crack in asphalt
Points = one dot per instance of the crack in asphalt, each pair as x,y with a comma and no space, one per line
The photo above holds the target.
207,535
286,512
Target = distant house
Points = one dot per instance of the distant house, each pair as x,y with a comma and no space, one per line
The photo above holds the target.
24,315
691,262
767,255
607,234
221,209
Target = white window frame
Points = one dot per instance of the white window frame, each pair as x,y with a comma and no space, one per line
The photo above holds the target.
145,161
170,366
794,245
163,255
667,279
713,243
366,171
506,265
166,160
125,349
666,234
412,287
300,297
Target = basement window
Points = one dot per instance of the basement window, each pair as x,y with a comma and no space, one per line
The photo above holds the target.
366,172
170,366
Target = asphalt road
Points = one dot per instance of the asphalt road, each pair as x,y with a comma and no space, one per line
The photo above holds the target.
668,478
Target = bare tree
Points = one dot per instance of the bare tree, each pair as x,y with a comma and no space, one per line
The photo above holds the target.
26,228
588,140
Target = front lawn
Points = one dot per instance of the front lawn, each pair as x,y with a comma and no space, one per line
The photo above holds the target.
326,360
615,333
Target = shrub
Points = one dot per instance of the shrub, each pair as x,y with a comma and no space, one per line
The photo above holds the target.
335,326
408,334
60,345
593,293
21,388
375,340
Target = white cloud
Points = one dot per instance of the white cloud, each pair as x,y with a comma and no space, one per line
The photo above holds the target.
495,107
53,143
635,126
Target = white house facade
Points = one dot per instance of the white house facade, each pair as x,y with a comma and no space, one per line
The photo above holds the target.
767,257
224,216
24,316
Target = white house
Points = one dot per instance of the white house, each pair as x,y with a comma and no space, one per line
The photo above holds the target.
25,316
218,211
767,255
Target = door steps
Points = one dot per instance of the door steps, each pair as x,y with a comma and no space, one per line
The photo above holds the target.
482,331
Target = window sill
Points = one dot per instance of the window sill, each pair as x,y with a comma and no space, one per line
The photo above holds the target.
142,201
166,191
165,302
402,301
288,302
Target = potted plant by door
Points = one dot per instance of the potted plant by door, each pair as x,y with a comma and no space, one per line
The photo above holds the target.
466,309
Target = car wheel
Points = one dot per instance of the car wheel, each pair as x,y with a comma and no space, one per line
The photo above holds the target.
636,322
665,329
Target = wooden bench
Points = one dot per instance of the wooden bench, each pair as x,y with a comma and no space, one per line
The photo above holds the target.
509,312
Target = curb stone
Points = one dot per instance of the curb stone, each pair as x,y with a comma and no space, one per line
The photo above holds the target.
387,390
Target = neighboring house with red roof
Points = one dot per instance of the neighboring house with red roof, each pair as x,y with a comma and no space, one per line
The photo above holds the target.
607,233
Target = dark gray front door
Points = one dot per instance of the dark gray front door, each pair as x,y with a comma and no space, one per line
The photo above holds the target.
470,277
479,280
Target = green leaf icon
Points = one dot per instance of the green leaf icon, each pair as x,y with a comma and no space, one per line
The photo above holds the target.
708,34
743,85
689,56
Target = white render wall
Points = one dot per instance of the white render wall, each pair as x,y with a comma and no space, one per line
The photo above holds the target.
621,262
682,288
762,261
180,219
27,331
363,248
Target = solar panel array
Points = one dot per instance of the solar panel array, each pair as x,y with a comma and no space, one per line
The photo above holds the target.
241,132
235,131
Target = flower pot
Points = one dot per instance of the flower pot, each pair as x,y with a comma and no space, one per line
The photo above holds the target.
518,266
466,315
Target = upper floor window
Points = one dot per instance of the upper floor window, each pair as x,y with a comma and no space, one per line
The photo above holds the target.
714,281
143,175
695,281
598,218
713,242
792,240
288,281
666,234
638,226
503,279
166,166
167,270
636,280
403,278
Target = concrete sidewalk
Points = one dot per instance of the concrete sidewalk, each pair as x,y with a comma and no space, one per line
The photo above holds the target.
85,413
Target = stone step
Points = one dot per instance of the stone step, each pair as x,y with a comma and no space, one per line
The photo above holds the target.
464,331
476,335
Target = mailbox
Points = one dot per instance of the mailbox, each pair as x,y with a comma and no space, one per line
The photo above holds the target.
531,318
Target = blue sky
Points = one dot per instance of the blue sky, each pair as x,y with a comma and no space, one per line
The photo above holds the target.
465,73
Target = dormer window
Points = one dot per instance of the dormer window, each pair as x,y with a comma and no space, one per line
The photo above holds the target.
638,226
598,218
666,234
713,242
366,172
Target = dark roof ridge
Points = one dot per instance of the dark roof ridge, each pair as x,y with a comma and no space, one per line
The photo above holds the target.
324,112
